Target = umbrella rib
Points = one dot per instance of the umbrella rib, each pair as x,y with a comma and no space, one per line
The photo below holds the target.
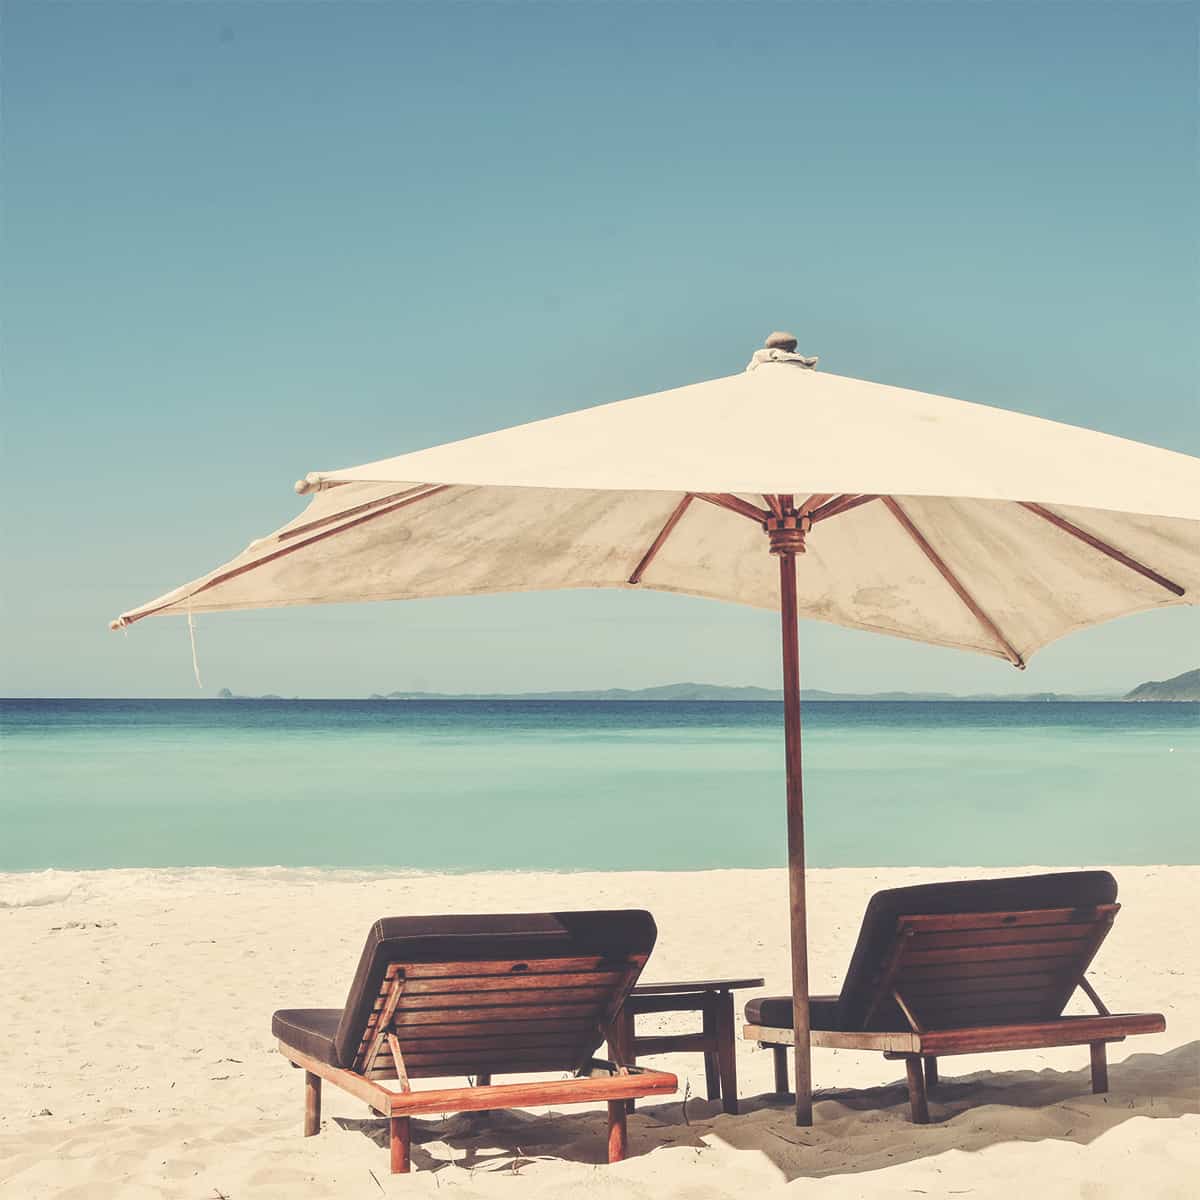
663,534
1104,548
225,576
955,583
839,505
814,502
734,504
295,531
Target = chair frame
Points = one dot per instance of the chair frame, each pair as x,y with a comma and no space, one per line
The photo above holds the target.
381,1056
943,944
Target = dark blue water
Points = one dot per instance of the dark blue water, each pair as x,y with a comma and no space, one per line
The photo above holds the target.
571,785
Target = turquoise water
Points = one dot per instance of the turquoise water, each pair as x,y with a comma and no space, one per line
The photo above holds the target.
468,785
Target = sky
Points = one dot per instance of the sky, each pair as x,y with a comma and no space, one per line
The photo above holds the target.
245,241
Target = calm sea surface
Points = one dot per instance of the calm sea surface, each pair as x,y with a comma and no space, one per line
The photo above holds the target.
470,785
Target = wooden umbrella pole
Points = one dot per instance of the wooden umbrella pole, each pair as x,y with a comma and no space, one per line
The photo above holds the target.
787,539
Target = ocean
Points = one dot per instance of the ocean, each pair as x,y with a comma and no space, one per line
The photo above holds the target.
446,785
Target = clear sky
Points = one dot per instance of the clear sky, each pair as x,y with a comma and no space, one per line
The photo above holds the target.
245,241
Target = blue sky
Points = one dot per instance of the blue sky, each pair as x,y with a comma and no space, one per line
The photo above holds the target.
244,241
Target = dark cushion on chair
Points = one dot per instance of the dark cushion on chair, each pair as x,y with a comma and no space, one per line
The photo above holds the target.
309,1030
776,1011
614,935
1067,889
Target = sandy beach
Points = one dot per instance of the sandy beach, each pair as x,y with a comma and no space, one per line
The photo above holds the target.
139,1060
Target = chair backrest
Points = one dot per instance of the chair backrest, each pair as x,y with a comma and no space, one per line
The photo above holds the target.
492,993
976,952
1000,968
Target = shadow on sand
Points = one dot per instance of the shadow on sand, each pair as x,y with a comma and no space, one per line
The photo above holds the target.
860,1130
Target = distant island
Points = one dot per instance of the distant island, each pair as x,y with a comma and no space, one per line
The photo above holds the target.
1185,687
1180,687
226,694
683,692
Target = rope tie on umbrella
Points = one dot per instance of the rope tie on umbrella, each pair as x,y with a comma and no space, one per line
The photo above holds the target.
192,638
781,348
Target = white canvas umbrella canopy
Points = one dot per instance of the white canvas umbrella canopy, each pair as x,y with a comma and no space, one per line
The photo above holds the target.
911,514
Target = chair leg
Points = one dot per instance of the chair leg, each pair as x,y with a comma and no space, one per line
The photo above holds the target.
620,1045
483,1079
399,1142
931,1075
312,1104
1099,1067
783,1085
727,1051
618,1137
916,1090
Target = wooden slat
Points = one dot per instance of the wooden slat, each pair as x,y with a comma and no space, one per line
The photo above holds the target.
482,985
492,1059
697,985
487,1016
667,1003
354,1084
673,1043
553,966
1027,935
531,1001
1035,981
986,970
558,1027
521,1041
1064,950
1064,1031
772,1035
1040,916
934,1012
537,1094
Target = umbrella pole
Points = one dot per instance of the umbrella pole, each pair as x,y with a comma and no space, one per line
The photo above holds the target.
795,833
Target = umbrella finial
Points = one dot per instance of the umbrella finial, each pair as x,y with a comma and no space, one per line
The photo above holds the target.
781,348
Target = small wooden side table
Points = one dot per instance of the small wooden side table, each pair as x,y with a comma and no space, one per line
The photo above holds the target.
713,999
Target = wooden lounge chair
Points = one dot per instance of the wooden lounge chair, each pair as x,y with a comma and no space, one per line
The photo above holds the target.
437,997
966,968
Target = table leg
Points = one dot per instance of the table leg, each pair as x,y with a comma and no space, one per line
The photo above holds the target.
727,1051
712,1069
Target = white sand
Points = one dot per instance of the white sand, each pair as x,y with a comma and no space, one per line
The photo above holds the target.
138,1059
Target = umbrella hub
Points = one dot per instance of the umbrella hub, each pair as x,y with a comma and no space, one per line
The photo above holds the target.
787,531
781,348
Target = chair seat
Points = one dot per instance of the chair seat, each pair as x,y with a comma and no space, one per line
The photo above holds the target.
776,1012
309,1030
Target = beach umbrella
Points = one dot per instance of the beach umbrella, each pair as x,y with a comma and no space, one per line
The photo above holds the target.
782,487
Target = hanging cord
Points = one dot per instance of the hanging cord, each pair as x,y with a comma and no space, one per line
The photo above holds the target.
192,637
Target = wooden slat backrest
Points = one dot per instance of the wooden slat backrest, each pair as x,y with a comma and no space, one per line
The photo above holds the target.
497,1016
960,969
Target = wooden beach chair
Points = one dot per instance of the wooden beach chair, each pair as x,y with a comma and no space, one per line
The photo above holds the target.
479,996
966,968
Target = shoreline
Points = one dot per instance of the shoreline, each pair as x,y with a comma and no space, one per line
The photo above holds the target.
285,873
